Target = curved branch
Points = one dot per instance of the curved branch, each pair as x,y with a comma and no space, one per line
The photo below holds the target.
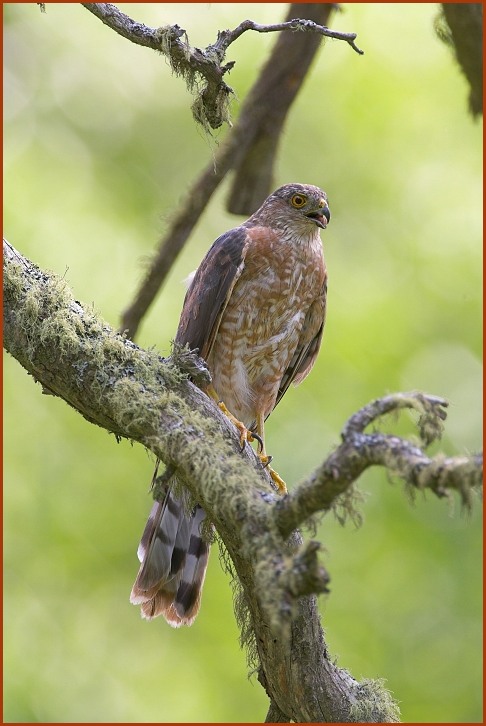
359,451
226,37
136,394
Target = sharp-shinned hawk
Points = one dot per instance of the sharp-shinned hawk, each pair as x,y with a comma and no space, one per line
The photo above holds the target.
255,310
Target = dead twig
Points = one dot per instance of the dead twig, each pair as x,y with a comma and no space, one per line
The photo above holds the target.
203,69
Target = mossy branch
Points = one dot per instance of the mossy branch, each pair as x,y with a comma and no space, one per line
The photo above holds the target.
137,394
329,486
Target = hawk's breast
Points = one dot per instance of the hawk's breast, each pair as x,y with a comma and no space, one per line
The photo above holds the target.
263,319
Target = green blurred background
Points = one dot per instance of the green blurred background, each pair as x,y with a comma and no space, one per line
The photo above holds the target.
100,148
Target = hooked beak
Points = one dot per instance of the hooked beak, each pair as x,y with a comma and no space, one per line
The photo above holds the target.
321,217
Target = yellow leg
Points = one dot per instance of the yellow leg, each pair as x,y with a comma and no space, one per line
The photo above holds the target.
265,459
249,436
245,434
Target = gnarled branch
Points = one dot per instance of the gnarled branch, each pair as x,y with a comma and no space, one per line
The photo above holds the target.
136,394
359,451
203,66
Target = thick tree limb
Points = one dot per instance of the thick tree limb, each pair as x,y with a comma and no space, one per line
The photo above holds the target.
275,715
136,394
460,25
202,66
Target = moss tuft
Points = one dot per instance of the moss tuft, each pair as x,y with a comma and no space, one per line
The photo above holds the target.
374,704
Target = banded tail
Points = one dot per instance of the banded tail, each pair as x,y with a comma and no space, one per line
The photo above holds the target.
174,559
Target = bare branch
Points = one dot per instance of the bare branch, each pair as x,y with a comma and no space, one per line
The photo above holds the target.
210,107
132,30
226,37
141,34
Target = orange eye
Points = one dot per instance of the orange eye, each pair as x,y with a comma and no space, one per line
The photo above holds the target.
298,201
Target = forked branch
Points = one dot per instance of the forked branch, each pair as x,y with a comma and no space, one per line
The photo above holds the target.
203,66
401,458
136,394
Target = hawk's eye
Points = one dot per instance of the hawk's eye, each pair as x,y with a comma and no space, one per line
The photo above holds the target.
298,201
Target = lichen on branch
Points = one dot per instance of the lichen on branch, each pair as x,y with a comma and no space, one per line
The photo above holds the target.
139,395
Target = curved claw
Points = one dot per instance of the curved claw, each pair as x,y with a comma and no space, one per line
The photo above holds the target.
249,436
266,461
256,437
245,434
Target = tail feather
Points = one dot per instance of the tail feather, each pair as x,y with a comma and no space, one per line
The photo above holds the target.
188,595
174,559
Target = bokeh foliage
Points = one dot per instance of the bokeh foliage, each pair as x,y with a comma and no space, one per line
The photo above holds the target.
100,147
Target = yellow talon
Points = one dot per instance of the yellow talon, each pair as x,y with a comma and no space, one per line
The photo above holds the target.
248,436
277,479
245,434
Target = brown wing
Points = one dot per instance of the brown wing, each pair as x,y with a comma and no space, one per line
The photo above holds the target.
210,290
308,346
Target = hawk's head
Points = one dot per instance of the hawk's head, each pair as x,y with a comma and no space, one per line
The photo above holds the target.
299,204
